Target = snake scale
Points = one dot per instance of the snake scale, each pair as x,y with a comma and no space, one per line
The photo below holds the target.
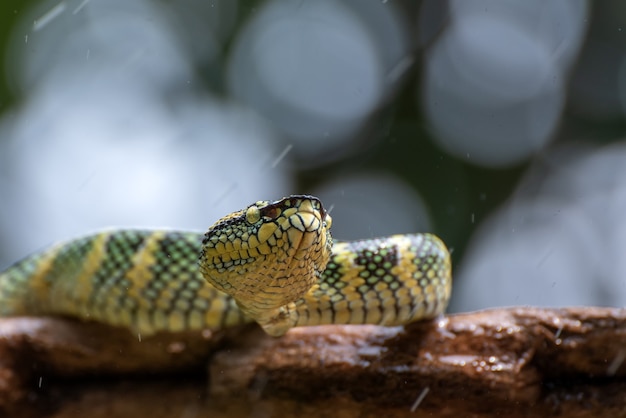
272,262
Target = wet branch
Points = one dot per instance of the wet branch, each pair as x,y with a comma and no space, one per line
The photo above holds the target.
505,362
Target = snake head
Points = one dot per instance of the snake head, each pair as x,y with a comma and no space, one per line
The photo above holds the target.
269,254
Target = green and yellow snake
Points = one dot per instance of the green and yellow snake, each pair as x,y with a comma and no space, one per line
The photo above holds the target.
272,262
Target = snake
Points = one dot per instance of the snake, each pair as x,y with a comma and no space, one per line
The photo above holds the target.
273,262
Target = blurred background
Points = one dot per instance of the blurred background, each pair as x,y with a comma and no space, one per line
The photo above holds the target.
498,125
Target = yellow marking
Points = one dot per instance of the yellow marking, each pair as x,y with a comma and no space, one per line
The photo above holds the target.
419,310
326,316
143,260
403,311
39,286
289,212
231,316
176,321
313,317
310,222
373,314
213,316
253,242
381,286
413,287
163,302
294,236
388,300
385,294
124,317
402,293
353,296
357,304
159,319
196,320
342,312
296,222
143,322
81,287
265,231
306,207
357,316
254,253
265,249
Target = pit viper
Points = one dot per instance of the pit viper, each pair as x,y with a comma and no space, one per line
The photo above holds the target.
273,262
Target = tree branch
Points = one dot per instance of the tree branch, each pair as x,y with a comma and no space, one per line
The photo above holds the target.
503,362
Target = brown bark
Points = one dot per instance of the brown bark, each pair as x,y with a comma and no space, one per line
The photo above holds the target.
507,362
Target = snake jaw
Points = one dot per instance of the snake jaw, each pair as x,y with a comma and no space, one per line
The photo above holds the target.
268,255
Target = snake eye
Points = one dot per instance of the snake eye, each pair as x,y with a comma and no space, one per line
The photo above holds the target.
253,215
328,221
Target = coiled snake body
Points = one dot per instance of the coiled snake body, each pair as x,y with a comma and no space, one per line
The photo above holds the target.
273,262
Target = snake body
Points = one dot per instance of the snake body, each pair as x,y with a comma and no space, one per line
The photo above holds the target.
272,262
